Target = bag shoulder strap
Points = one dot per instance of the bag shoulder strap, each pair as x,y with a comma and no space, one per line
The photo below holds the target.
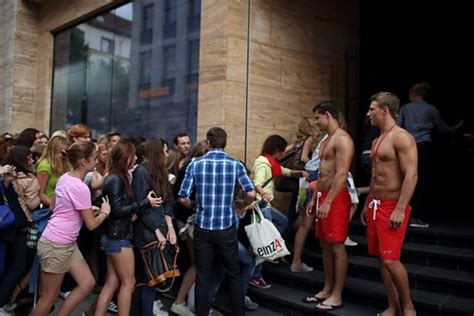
267,182
3,198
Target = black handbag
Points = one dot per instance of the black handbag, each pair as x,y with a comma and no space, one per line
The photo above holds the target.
286,184
292,160
160,265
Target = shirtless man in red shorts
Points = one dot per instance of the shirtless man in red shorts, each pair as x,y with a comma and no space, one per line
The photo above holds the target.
332,205
386,212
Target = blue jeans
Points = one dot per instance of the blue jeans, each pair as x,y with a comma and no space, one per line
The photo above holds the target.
281,221
222,245
247,266
111,246
278,218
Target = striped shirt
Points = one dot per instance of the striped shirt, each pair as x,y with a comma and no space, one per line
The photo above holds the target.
214,177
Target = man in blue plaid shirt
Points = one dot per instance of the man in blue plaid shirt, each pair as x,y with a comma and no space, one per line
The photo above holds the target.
214,177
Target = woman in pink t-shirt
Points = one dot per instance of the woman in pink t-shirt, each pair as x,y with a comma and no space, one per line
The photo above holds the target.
57,248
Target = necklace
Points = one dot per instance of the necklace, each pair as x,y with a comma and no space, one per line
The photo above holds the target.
323,146
373,153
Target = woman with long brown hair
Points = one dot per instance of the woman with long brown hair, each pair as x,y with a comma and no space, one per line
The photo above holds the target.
117,236
153,223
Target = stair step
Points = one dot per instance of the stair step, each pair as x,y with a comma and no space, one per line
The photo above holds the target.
288,301
223,304
459,259
440,233
371,293
421,277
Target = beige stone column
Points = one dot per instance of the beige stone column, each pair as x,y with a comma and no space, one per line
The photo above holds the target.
18,38
222,70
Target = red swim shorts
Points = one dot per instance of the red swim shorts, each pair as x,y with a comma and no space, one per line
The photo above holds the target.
334,228
384,241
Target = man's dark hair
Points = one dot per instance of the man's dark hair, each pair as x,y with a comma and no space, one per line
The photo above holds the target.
421,89
327,106
217,137
112,134
180,134
274,144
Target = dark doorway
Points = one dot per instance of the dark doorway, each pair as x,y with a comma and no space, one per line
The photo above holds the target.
405,42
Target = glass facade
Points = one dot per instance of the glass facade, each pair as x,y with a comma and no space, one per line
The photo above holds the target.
133,69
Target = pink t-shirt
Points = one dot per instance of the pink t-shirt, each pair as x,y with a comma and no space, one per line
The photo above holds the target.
72,196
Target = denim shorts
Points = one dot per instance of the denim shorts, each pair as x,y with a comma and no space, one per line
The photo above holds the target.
111,246
312,175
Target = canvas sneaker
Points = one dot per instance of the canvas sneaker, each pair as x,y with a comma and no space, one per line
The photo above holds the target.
418,223
181,309
64,295
301,268
157,309
113,308
249,305
259,282
349,242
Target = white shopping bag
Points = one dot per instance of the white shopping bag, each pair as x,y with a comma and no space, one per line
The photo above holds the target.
265,240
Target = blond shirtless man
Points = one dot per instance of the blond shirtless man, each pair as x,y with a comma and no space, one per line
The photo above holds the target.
332,205
386,211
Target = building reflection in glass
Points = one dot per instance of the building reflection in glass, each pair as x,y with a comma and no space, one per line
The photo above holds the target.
134,69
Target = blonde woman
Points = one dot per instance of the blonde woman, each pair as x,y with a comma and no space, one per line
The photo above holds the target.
52,164
307,135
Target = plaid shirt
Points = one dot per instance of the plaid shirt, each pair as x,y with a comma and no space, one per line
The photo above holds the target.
214,177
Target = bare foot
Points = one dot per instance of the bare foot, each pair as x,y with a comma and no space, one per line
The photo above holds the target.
409,311
323,294
333,301
390,312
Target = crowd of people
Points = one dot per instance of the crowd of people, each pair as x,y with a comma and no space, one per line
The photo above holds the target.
92,204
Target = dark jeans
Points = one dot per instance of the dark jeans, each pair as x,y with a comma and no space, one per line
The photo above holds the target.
421,196
15,261
143,299
209,244
247,265
292,216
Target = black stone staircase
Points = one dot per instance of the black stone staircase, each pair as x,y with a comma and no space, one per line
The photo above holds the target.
439,261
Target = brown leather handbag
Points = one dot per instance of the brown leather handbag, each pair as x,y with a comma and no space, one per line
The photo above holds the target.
160,265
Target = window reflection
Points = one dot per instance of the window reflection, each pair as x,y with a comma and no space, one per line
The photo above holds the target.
133,69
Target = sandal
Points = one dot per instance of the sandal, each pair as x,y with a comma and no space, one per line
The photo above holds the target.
313,299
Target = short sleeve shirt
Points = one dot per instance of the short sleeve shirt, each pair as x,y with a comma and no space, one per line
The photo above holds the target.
72,196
